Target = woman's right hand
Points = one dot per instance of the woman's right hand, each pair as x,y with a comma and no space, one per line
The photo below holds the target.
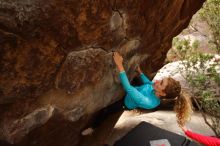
138,69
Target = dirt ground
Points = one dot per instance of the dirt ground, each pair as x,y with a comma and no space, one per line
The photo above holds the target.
129,119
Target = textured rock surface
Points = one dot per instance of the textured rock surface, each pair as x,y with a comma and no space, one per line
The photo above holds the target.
56,65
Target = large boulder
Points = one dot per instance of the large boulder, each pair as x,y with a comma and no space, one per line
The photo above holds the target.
56,67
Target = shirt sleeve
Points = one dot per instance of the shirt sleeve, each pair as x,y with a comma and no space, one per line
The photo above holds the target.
136,96
144,79
206,140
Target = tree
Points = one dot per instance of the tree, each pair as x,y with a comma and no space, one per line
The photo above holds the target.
211,14
199,70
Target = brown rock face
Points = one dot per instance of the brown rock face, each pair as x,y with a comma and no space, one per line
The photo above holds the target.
56,65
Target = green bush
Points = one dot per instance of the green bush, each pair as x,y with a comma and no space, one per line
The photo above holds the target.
202,78
210,13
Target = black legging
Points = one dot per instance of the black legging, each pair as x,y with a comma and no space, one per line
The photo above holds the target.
105,112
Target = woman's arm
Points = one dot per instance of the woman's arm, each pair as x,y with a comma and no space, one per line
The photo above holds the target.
136,96
144,79
206,140
118,61
124,80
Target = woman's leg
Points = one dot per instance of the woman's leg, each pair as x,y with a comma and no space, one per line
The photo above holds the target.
103,114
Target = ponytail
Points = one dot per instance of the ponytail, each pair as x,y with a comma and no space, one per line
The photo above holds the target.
183,108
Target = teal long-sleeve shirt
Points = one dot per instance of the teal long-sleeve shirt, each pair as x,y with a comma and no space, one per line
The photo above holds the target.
141,96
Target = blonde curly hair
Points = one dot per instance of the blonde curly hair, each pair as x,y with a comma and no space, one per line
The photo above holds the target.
183,108
183,104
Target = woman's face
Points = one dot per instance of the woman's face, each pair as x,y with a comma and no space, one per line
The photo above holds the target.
160,85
